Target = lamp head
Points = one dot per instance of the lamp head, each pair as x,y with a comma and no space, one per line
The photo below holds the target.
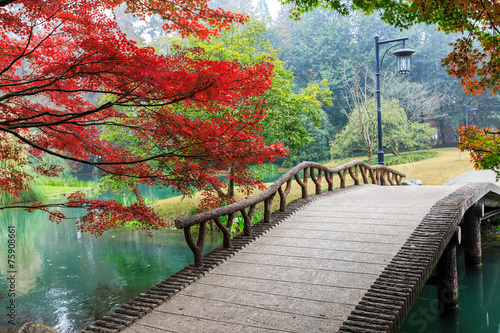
404,60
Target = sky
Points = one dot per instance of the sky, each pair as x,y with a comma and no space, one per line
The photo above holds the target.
274,7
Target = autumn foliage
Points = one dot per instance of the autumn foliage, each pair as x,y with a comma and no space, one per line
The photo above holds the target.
67,72
484,145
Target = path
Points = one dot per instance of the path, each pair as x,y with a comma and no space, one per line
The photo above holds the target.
474,176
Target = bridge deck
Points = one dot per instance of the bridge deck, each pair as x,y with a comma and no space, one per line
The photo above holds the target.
308,273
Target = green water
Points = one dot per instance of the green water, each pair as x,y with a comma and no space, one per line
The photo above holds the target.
67,279
479,299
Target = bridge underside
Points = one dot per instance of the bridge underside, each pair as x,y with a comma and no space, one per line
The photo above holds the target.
352,260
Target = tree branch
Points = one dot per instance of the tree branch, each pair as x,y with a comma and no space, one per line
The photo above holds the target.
4,3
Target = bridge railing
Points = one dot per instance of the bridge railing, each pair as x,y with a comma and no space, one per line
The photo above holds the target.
357,170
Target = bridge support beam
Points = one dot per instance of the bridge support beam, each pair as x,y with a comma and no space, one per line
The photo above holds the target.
446,276
472,236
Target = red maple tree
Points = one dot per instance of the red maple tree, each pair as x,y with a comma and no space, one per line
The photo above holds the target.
57,57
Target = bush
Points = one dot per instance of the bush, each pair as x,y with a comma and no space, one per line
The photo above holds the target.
410,157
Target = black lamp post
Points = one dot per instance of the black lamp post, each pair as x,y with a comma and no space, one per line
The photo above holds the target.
403,57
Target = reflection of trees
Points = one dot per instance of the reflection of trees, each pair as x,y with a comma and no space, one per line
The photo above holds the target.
101,300
142,262
89,276
28,258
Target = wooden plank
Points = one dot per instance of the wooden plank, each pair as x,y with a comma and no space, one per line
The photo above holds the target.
219,316
294,290
308,262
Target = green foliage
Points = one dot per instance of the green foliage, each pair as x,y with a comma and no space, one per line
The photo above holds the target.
132,224
264,167
289,114
484,147
316,151
33,193
398,133
410,157
237,226
129,199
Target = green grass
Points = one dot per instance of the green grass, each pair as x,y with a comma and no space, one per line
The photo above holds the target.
61,185
42,187
32,194
45,187
70,183
438,170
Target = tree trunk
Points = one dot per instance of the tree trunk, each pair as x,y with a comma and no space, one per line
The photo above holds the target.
370,156
230,185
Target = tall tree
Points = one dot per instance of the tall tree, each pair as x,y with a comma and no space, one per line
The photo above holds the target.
262,10
54,54
287,112
475,55
360,132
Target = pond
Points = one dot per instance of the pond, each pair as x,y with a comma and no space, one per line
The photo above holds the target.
68,279
479,301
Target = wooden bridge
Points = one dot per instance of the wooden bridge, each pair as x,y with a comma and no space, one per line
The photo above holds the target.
351,259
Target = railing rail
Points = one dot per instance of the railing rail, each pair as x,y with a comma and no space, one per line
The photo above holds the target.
378,174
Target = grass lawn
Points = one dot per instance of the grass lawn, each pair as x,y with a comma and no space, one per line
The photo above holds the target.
433,171
438,170
51,191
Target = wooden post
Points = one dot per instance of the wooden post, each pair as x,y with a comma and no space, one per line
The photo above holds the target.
446,275
472,236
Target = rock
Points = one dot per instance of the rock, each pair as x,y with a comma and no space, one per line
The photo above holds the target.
412,182
36,327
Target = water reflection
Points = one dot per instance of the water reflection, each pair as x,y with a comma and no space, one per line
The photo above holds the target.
67,279
479,304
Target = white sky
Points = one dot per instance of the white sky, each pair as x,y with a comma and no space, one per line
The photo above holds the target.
274,6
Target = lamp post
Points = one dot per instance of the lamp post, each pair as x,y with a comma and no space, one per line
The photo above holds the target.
474,112
403,57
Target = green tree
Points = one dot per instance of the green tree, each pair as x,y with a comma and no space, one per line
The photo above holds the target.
327,45
287,112
316,151
475,55
398,133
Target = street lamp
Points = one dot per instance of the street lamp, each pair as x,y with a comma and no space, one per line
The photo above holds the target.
403,65
474,112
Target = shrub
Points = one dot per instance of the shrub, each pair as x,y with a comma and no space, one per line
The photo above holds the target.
410,157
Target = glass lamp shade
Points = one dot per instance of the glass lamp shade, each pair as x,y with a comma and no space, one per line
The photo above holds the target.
404,60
